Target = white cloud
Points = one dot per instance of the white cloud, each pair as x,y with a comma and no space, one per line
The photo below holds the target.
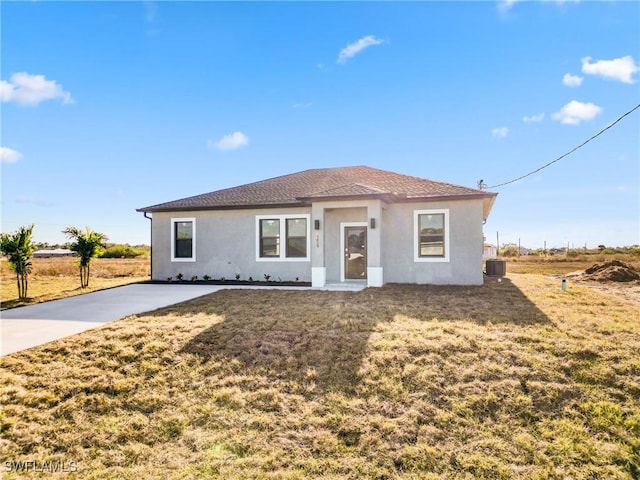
356,47
151,18
303,105
8,155
500,132
150,11
28,199
27,89
572,80
576,112
232,141
621,69
538,117
506,5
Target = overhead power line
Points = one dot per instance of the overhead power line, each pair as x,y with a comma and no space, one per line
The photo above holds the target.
482,185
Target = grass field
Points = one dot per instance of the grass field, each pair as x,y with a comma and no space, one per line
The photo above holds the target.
562,264
54,278
513,379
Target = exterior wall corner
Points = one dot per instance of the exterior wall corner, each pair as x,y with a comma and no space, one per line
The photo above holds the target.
375,277
318,276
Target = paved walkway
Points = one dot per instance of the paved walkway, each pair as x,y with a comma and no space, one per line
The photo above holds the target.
26,327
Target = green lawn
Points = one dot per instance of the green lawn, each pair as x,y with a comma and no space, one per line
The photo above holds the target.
515,379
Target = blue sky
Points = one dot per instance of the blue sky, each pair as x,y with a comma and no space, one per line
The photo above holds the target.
112,106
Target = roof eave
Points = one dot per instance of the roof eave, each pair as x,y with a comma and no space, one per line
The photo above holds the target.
460,196
487,205
153,209
487,197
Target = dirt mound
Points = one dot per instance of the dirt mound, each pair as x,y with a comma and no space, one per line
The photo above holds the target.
612,271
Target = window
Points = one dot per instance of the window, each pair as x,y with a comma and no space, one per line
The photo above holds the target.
296,237
270,238
183,239
282,237
431,235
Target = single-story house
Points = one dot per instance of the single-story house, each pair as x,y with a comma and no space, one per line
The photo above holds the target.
54,253
489,251
328,225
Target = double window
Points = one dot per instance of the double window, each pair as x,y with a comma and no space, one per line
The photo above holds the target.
282,237
431,235
183,239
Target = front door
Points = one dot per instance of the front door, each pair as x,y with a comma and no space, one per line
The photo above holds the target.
355,253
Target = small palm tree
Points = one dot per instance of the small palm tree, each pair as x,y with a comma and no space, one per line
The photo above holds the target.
17,247
86,243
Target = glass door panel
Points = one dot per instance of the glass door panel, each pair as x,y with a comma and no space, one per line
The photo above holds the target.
355,252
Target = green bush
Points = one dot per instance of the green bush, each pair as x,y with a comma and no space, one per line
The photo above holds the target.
122,251
509,250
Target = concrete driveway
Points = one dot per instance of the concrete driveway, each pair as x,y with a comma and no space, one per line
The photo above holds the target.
26,327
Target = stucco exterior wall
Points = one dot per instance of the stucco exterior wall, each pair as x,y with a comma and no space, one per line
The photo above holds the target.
332,236
225,246
464,266
226,243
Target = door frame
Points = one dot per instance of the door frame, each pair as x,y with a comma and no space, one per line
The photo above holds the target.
343,226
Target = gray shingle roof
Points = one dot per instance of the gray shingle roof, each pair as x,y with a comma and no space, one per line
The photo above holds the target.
321,184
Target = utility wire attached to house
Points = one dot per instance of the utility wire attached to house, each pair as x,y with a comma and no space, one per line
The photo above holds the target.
482,185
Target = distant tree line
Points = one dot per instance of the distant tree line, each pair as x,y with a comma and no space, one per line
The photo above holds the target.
110,250
512,250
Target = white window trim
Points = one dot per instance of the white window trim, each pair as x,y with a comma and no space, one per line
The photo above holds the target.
283,237
416,235
173,240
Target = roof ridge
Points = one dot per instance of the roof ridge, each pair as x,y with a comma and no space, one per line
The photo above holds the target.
298,188
423,179
349,184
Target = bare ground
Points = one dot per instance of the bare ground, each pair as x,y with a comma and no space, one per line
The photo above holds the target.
615,277
627,291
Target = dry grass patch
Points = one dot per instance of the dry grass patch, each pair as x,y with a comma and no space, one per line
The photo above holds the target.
54,278
572,268
562,264
509,380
